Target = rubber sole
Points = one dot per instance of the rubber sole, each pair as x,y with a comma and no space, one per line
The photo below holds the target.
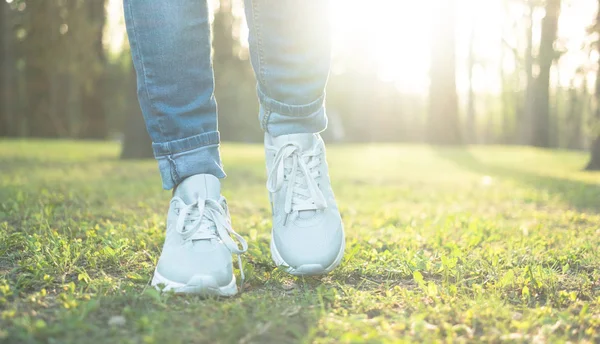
307,269
197,285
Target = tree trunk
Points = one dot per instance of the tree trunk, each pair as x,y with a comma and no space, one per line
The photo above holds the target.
56,109
510,100
525,123
575,115
39,123
505,101
5,36
136,141
594,163
471,134
541,118
443,121
94,124
35,49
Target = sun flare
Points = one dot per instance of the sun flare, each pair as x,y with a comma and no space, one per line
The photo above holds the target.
397,38
393,39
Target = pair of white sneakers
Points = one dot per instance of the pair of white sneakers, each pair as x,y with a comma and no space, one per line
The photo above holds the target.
307,236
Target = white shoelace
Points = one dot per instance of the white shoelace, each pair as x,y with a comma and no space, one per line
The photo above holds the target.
301,171
209,219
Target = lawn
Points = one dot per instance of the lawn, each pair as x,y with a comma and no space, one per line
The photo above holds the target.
483,244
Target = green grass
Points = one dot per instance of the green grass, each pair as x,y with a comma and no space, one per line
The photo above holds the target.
490,244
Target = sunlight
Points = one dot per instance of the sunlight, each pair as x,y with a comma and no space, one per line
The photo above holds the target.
392,38
400,38
396,35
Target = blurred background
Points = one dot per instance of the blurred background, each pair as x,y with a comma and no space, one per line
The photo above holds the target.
510,72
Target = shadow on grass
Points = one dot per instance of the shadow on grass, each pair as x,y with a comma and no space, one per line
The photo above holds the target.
580,195
261,316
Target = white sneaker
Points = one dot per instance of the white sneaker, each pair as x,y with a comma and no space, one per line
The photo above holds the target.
196,256
308,235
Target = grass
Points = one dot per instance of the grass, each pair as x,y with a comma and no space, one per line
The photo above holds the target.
490,244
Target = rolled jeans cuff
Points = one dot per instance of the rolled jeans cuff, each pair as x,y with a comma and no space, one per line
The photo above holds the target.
278,118
186,157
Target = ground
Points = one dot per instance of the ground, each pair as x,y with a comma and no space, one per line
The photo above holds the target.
492,244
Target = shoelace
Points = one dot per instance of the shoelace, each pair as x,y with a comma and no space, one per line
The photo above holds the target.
303,192
210,221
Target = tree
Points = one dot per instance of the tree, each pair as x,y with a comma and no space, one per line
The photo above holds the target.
52,68
94,124
594,163
136,141
471,130
546,57
235,84
6,67
39,49
443,121
578,101
526,118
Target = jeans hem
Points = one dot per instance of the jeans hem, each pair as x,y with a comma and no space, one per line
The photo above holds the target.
277,118
273,105
277,124
183,158
186,144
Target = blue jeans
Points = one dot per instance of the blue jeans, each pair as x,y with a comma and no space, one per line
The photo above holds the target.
290,50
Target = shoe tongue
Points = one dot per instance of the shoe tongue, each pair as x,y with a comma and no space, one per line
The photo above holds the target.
305,141
199,186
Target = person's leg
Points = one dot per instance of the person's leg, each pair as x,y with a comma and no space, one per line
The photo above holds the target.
290,48
170,45
171,49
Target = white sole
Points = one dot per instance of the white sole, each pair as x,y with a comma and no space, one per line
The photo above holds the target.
197,285
307,269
